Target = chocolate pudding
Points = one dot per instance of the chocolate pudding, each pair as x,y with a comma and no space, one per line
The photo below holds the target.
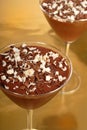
68,18
30,70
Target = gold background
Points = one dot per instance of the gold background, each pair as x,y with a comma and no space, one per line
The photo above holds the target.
22,20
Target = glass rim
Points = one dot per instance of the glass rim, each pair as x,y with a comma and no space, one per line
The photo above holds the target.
60,19
35,43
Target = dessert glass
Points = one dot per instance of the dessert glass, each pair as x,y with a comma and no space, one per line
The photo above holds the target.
31,102
69,32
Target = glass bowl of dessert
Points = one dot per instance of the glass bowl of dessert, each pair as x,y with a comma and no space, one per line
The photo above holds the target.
32,73
68,18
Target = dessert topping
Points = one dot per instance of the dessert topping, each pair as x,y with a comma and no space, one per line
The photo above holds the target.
66,10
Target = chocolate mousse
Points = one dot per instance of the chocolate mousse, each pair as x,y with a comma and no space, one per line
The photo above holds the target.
32,70
68,18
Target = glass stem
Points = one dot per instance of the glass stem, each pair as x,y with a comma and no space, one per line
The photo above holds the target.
67,44
29,119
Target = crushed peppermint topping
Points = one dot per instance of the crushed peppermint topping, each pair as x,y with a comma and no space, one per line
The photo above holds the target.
32,69
68,10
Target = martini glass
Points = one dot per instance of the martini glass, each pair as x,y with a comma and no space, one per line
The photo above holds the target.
69,32
31,102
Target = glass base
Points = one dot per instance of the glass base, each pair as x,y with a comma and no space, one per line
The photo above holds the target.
73,85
